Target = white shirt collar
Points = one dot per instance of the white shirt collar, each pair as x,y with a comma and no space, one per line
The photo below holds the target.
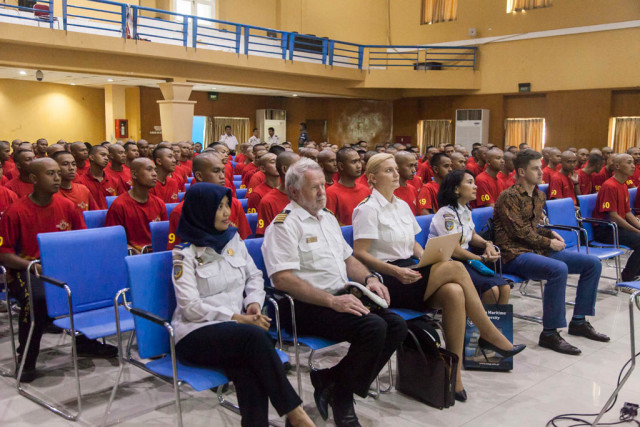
381,199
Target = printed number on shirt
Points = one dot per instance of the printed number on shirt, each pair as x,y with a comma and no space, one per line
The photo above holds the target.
261,223
606,205
485,198
251,210
554,192
243,186
249,191
1,240
172,238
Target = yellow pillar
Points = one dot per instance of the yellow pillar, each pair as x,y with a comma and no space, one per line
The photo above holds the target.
176,111
114,108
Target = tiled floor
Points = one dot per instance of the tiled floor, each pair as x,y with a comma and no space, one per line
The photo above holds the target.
543,384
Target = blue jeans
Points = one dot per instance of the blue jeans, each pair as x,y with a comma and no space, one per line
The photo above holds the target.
554,269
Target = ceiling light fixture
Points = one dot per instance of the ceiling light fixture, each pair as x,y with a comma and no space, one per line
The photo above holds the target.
73,84
109,80
294,95
22,73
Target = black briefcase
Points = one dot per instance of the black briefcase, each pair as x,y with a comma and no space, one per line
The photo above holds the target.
426,372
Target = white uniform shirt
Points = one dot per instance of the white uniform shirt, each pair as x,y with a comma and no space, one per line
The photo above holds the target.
211,287
312,247
448,220
391,226
230,140
254,140
273,140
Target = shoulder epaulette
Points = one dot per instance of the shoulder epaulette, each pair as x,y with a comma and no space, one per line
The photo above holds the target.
365,200
328,210
182,245
279,219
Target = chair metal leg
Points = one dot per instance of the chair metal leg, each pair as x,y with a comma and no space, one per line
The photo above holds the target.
9,373
634,300
523,292
174,367
295,344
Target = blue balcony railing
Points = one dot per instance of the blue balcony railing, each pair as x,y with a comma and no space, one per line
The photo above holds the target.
109,18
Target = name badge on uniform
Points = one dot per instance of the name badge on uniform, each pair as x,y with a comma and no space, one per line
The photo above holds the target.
312,239
230,252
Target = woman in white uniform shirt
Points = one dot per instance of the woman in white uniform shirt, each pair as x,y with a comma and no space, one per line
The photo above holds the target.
384,232
454,216
215,281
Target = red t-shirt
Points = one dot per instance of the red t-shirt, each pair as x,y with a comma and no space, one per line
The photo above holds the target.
255,195
428,197
506,180
561,186
228,171
239,168
257,179
247,174
362,180
584,182
544,163
9,168
270,206
416,182
546,174
475,169
237,217
7,197
612,197
82,170
121,178
188,166
20,187
135,217
80,196
100,189
425,173
409,194
343,200
231,186
240,158
24,220
489,189
167,192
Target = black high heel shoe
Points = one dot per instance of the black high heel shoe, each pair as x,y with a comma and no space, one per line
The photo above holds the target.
461,396
486,345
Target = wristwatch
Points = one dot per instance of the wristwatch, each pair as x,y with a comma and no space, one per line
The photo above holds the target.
372,275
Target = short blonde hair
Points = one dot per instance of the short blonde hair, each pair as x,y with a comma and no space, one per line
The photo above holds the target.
373,165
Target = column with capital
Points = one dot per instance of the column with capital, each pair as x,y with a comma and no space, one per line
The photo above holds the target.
176,111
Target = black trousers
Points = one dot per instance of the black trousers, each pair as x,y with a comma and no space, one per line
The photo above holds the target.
626,238
18,290
246,355
373,338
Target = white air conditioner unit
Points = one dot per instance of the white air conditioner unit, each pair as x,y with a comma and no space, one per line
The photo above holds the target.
472,126
276,119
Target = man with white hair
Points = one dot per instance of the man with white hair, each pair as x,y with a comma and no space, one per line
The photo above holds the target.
307,257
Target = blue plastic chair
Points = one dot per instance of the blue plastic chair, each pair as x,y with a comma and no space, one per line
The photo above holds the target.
252,218
237,177
347,234
244,203
95,219
170,207
189,179
237,184
83,278
241,193
180,196
159,235
152,305
632,198
480,217
424,221
544,188
110,200
186,187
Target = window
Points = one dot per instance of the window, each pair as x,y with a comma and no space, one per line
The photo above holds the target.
199,8
624,133
514,6
433,132
439,11
529,130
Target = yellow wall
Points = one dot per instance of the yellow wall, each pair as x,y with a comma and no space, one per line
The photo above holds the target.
490,19
132,100
32,110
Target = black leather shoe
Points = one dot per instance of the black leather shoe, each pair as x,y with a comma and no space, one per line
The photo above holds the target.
344,414
461,396
586,330
322,392
28,375
486,345
556,343
95,349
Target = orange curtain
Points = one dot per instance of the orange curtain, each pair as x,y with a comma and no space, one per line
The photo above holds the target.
239,127
516,5
626,133
439,11
433,132
530,131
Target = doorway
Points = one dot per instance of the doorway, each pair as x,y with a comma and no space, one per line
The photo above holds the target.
317,130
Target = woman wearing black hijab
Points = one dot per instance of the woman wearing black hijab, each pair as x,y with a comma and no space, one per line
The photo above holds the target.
218,320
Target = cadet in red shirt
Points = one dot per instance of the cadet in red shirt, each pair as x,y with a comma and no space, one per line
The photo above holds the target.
136,208
208,167
166,187
489,187
252,168
39,212
407,165
21,185
131,153
187,156
81,154
267,163
507,176
143,148
635,153
8,166
117,169
327,160
457,161
583,157
612,203
247,159
554,161
428,195
343,196
76,193
477,163
7,197
585,175
565,182
276,200
223,149
257,178
96,180
424,171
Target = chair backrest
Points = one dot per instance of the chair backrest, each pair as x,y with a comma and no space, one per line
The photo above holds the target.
244,204
480,217
347,233
424,221
189,179
151,289
562,212
90,262
95,219
170,207
159,235
186,187
237,184
237,177
110,200
587,205
241,193
181,196
544,188
254,247
632,197
252,218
